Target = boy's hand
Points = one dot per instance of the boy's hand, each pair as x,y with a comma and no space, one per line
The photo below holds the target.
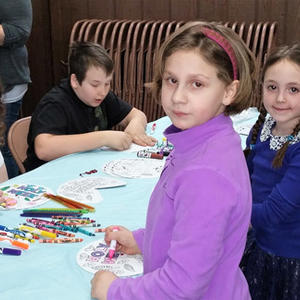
124,237
144,140
119,140
101,283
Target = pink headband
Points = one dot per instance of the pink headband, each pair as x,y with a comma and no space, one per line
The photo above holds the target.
221,41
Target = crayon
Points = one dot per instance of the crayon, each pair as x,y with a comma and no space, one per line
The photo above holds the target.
62,240
85,232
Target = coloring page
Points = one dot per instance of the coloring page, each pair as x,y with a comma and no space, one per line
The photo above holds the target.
85,189
246,115
244,121
26,195
134,168
94,257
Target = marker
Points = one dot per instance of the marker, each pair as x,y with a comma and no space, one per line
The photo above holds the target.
10,251
16,243
153,128
147,154
164,142
5,188
15,231
112,247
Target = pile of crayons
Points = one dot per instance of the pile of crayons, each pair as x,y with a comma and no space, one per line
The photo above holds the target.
46,231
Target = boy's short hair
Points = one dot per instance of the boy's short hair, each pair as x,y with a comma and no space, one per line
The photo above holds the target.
83,55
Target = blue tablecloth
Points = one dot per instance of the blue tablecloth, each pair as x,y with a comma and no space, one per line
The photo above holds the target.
50,271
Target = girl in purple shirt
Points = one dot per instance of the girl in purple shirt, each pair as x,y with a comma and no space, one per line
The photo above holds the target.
271,262
199,211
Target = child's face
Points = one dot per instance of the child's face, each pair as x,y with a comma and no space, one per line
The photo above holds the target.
281,94
191,91
94,87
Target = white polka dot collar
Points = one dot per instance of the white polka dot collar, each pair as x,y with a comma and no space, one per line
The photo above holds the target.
276,142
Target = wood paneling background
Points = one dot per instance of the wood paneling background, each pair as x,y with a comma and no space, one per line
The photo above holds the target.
53,21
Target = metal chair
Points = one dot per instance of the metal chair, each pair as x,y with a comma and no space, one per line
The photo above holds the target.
17,141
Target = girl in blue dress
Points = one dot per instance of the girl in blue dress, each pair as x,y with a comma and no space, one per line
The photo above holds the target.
271,262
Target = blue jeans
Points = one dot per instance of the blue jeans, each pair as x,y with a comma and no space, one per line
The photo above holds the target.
12,111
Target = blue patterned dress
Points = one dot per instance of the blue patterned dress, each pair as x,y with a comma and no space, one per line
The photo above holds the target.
271,262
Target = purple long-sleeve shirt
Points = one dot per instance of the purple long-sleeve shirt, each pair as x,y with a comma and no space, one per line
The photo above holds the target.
197,220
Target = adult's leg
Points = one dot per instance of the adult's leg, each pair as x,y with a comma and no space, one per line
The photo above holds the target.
11,115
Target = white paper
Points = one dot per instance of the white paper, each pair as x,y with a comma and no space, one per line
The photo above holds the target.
86,189
135,168
94,257
27,195
244,121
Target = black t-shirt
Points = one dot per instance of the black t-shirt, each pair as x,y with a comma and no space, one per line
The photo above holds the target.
61,112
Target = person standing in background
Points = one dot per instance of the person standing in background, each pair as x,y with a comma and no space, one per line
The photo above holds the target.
15,28
3,172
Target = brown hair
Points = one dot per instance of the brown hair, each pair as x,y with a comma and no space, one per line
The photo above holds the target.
189,37
292,54
2,114
83,55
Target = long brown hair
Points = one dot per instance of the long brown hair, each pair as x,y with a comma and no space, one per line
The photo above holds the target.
292,54
192,36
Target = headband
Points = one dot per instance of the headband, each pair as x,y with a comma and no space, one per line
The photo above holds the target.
223,43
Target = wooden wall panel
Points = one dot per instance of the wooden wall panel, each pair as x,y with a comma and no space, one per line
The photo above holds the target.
221,9
156,9
183,10
99,9
292,21
129,9
64,13
40,57
241,11
53,21
274,10
206,10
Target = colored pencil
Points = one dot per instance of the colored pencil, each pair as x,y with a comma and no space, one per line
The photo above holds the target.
69,202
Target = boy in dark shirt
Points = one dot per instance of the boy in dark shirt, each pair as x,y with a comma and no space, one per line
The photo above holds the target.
78,114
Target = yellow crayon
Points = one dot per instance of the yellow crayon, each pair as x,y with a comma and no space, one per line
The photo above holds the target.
43,233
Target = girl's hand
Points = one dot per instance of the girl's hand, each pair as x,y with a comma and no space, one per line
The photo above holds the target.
124,237
101,283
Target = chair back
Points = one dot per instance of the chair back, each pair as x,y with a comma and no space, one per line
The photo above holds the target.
17,141
134,44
